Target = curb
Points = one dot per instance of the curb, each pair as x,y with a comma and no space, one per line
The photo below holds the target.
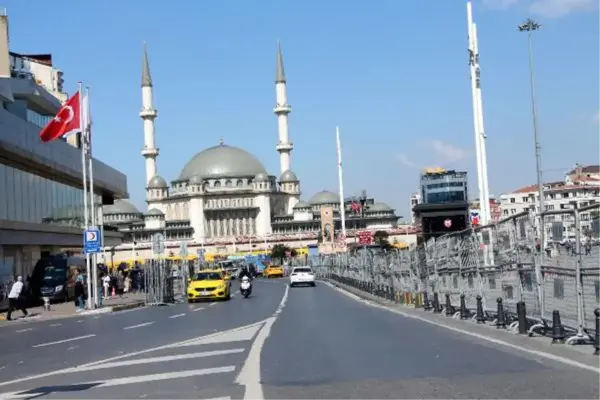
103,310
130,306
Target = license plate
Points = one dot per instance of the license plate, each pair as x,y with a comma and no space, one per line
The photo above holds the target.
204,293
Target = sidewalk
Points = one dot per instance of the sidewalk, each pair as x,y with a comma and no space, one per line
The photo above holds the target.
65,310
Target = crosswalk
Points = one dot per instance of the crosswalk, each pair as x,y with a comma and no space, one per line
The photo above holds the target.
200,368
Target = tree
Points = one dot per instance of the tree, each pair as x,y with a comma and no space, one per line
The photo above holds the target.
280,251
381,238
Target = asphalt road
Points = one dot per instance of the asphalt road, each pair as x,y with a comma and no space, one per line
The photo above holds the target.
279,343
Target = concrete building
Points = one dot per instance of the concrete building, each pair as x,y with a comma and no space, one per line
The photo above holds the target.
581,185
41,201
224,196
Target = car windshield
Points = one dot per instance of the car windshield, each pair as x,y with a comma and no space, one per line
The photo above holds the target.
296,270
208,276
53,274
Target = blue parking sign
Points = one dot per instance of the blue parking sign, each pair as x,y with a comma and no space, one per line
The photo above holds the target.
92,242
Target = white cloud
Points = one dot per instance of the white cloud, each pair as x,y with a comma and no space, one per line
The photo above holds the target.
446,153
403,159
546,8
560,8
499,4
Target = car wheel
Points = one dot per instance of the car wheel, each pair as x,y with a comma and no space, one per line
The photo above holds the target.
291,284
313,284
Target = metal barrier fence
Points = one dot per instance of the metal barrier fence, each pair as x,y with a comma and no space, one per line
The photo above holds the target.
165,281
488,273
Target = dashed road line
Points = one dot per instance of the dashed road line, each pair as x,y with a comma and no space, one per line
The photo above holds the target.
197,309
55,325
139,325
24,330
63,341
177,315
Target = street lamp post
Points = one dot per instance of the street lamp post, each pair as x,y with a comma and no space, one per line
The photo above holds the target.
529,26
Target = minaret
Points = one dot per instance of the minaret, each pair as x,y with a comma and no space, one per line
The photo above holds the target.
148,114
282,109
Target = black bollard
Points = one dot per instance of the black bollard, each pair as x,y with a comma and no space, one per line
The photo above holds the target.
464,312
500,318
479,316
426,305
522,317
558,330
436,303
448,306
597,334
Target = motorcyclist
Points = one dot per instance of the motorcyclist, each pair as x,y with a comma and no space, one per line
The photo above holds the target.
244,273
246,286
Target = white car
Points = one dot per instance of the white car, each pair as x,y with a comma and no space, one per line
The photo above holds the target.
302,276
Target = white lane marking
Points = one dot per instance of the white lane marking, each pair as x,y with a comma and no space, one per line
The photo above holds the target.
126,355
129,380
80,320
97,317
219,398
149,360
177,315
538,353
24,330
238,335
249,376
197,309
212,304
55,325
139,325
64,341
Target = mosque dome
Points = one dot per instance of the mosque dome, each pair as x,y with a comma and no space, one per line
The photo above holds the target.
261,177
288,176
155,211
222,161
195,180
157,182
325,197
301,204
120,207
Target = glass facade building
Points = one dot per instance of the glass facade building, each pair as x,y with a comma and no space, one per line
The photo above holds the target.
444,187
27,197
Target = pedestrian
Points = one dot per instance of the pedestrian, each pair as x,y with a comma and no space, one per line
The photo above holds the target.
14,302
79,292
106,284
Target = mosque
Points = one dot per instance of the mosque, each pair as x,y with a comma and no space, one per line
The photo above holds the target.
224,197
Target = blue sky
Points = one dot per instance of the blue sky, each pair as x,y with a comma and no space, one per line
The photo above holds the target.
393,75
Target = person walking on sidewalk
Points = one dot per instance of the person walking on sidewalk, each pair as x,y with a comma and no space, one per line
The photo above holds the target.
13,299
79,292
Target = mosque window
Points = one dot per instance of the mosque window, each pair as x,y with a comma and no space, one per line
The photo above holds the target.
228,183
217,184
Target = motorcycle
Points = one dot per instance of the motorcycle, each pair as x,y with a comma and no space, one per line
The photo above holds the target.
246,288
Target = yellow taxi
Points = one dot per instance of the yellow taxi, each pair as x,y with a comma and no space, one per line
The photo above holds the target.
211,284
273,271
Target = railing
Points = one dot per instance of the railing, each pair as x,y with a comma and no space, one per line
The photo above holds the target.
493,273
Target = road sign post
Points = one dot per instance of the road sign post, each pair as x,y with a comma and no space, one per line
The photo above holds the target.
92,241
158,243
183,250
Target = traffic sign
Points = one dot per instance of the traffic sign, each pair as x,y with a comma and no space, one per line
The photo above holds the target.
183,250
158,243
92,241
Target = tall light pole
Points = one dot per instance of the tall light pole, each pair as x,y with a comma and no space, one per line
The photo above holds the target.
529,26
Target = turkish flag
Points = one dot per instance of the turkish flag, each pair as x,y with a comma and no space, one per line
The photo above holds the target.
66,121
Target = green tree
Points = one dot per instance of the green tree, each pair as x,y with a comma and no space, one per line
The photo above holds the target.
381,238
280,251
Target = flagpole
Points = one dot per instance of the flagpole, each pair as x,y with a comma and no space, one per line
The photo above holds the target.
341,182
92,199
85,198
